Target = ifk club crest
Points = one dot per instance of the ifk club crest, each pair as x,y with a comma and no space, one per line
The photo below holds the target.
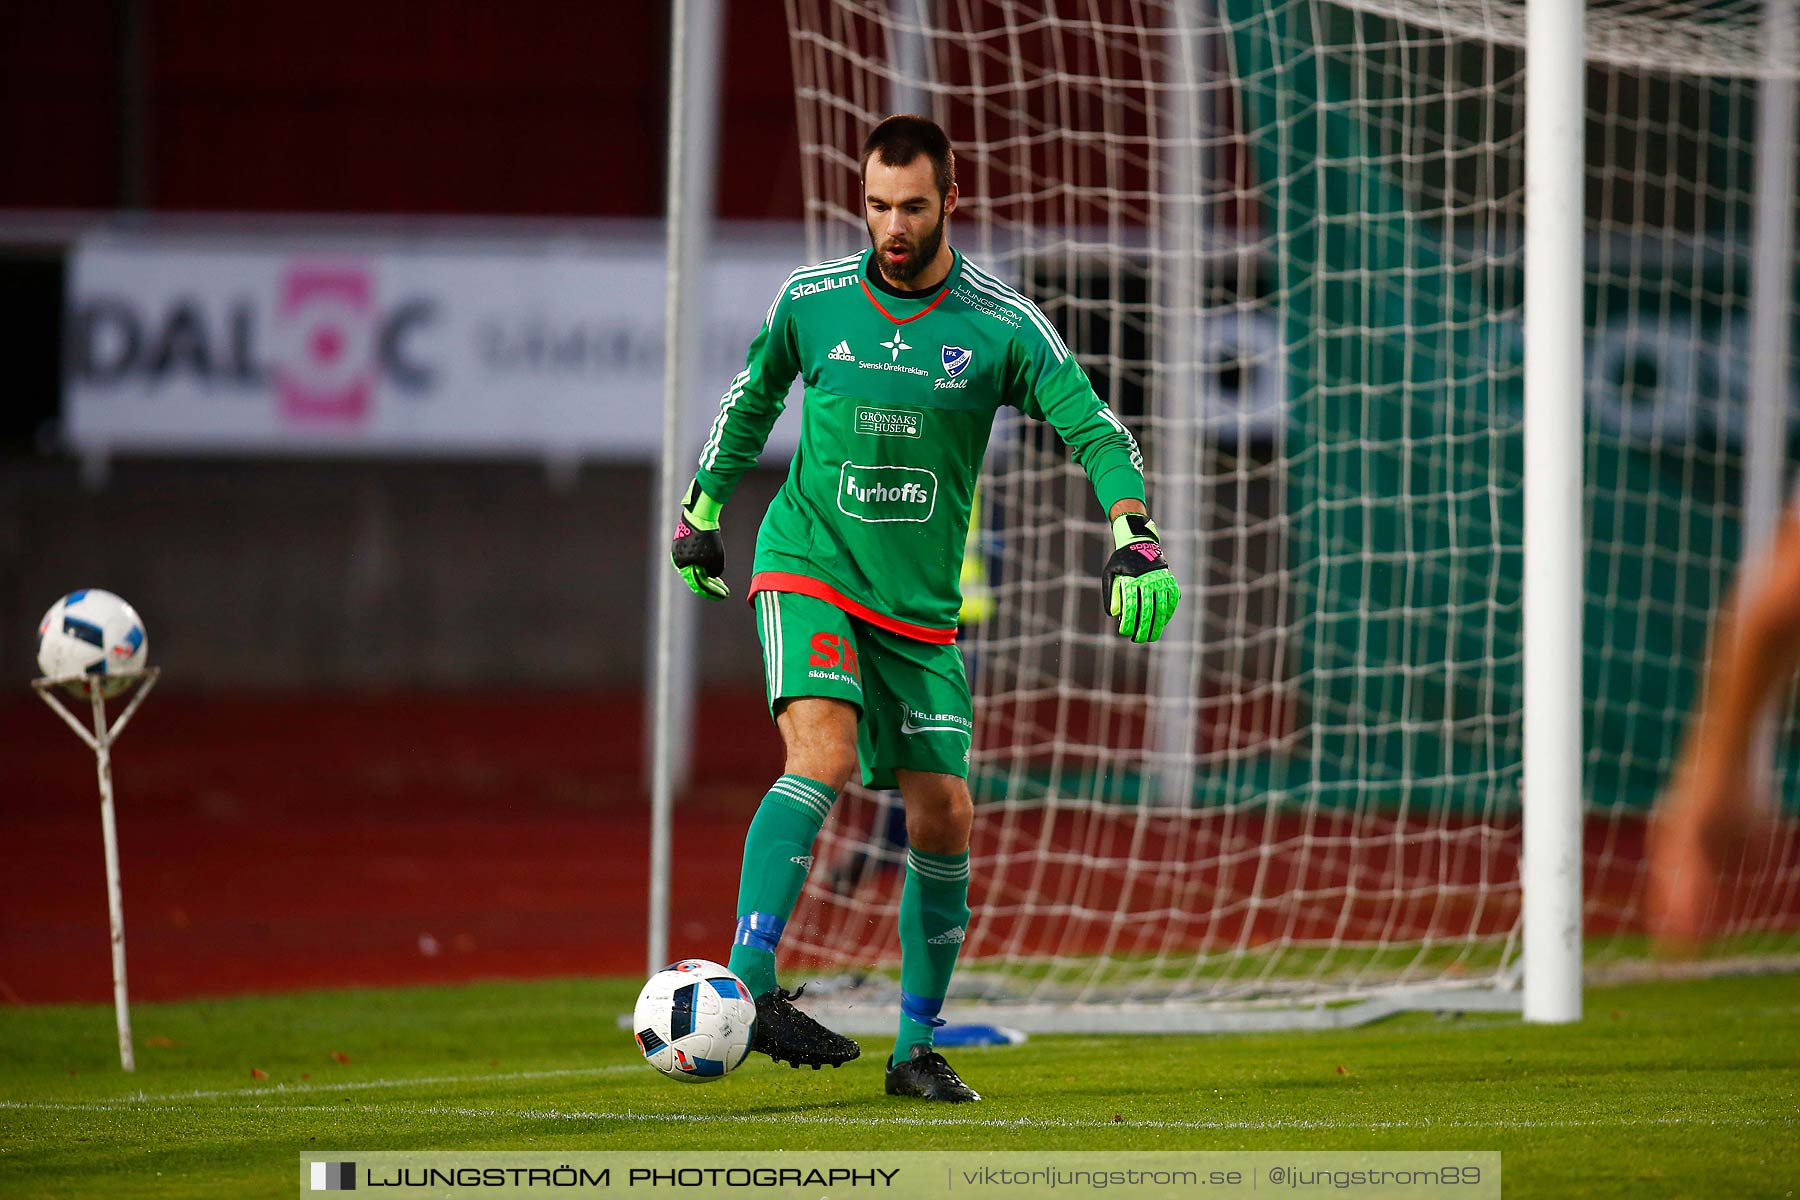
956,360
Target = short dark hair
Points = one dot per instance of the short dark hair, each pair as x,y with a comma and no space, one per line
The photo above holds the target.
902,138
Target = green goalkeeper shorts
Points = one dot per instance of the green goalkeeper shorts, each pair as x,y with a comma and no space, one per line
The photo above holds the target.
912,697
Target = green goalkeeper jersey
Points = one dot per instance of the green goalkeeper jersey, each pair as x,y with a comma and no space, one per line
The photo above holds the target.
900,399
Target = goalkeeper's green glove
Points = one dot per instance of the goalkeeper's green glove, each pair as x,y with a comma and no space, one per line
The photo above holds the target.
1137,586
698,551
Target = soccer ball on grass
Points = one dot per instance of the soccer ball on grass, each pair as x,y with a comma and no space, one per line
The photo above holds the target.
92,636
693,1020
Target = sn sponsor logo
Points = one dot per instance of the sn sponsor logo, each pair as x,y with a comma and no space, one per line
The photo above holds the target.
830,650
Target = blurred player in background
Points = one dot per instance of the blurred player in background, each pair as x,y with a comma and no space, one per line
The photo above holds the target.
1711,817
907,350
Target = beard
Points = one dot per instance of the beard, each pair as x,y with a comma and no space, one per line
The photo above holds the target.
918,252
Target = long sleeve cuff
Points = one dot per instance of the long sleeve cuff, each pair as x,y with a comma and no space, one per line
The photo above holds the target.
1116,483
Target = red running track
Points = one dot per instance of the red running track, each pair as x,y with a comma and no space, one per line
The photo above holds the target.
271,844
278,843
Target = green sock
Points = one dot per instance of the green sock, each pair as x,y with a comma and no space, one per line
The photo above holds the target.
934,917
777,855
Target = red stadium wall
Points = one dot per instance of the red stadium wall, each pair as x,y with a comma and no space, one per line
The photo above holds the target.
453,106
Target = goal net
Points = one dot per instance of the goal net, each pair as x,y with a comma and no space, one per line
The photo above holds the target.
1285,239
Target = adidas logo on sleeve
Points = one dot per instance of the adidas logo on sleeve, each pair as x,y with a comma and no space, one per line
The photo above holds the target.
842,352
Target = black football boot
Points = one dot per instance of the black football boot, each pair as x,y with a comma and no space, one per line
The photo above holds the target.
927,1076
786,1034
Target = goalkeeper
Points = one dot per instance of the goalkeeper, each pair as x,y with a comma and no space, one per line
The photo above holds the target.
907,351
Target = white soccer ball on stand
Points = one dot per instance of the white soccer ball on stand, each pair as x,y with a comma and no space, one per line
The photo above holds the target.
92,635
693,1020
93,644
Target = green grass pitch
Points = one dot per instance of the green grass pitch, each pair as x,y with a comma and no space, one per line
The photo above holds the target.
1670,1089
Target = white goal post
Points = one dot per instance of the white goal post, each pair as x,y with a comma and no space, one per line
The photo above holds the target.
1426,575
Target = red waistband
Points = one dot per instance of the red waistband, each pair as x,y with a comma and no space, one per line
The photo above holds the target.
802,585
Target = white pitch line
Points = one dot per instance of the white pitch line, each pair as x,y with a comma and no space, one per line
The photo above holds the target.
1060,1123
284,1089
437,1110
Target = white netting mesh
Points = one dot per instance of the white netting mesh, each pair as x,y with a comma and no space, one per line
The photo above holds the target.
1719,38
1284,238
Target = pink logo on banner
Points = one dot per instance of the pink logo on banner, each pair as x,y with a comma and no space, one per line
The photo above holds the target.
325,328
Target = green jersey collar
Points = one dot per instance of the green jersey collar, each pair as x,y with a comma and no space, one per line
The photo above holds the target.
898,310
